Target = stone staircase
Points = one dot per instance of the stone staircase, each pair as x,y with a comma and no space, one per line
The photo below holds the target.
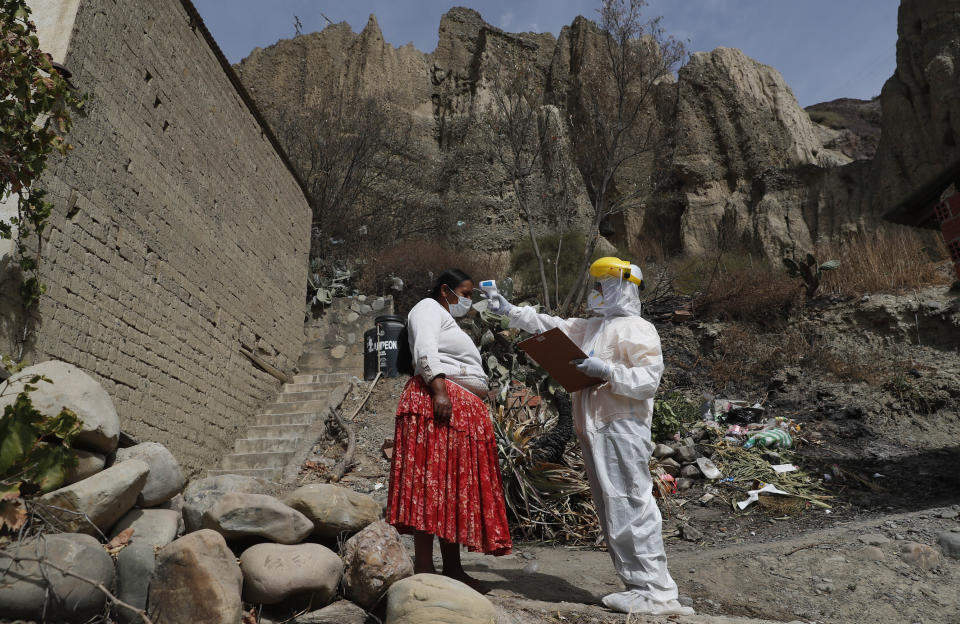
287,427
284,432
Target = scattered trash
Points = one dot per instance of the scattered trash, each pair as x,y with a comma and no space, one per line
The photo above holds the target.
706,498
387,448
754,495
708,468
770,438
378,486
782,468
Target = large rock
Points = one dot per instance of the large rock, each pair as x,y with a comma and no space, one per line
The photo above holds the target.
274,572
175,504
166,478
88,464
201,494
135,566
101,499
196,579
74,389
950,543
436,599
29,591
374,559
157,527
333,509
342,612
238,516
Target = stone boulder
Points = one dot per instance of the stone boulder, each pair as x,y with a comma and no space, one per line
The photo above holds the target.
135,566
157,527
237,516
175,504
101,499
28,592
202,494
74,389
88,464
374,559
950,543
275,572
166,478
333,509
196,579
437,599
342,612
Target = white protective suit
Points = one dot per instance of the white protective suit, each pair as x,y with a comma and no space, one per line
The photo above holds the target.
612,422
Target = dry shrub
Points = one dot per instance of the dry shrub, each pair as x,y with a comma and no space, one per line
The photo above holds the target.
894,259
418,263
746,355
738,287
852,365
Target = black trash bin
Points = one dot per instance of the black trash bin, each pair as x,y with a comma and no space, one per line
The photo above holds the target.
381,347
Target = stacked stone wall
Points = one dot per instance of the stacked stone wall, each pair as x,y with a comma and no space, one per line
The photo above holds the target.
179,234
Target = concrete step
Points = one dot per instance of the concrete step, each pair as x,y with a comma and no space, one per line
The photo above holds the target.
273,420
268,474
296,397
266,445
297,407
256,460
276,431
324,386
334,378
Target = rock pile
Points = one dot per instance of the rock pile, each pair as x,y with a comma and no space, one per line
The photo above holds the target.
684,462
199,553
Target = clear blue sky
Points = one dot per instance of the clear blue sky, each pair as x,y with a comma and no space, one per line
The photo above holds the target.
825,49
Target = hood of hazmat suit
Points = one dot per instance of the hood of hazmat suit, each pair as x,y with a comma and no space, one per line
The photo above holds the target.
612,421
619,297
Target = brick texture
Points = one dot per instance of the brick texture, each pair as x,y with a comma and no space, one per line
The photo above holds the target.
179,235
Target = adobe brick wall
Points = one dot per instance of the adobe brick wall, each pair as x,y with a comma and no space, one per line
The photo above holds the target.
179,234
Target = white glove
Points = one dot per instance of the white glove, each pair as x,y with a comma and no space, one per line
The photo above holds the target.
498,304
593,367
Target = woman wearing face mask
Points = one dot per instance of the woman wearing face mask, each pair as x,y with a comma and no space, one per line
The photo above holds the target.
445,477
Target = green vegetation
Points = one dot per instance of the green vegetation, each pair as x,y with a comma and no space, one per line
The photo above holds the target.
36,107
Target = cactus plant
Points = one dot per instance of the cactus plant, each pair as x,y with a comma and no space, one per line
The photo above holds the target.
810,271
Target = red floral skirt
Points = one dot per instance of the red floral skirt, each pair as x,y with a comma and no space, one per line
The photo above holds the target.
445,477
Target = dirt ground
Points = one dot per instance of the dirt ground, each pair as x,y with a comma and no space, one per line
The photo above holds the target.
872,557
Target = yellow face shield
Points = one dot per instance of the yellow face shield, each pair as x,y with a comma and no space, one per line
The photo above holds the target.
616,268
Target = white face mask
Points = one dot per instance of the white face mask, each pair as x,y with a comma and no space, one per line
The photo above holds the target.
595,302
461,307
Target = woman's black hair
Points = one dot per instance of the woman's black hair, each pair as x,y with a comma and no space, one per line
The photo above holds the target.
451,278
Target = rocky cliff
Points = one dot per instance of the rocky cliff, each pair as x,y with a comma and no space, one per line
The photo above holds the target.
745,166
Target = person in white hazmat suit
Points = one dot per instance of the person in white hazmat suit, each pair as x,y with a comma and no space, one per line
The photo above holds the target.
612,421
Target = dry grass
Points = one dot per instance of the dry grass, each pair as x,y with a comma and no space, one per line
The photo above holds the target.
894,259
746,354
737,287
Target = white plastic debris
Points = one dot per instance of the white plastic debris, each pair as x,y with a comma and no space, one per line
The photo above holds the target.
708,468
781,468
754,495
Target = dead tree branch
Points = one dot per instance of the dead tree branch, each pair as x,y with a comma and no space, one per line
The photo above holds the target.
97,584
347,461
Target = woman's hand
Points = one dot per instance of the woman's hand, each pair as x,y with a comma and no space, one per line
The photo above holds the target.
442,406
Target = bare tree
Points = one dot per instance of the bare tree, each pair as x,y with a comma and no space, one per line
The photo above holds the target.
357,160
616,125
518,137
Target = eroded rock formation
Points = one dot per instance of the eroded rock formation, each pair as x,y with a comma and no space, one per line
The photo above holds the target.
746,165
